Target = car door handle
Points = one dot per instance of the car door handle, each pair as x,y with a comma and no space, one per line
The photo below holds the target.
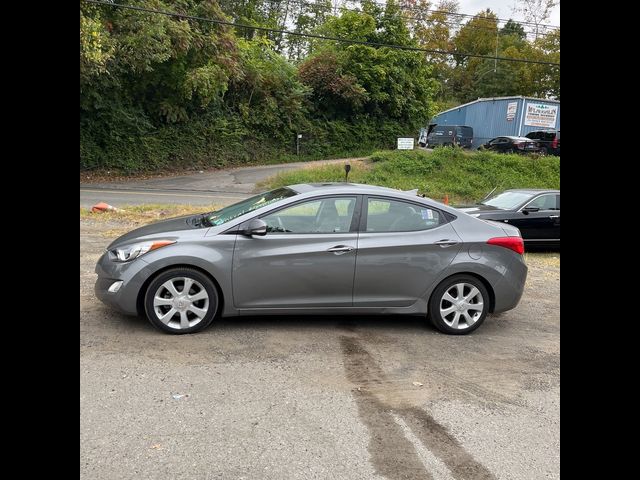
446,243
554,216
340,249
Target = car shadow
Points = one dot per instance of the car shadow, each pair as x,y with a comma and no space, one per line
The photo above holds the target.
338,322
541,249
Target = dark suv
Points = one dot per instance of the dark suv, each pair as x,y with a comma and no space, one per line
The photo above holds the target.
448,135
549,140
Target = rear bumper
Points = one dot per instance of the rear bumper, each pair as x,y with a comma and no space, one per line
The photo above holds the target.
508,290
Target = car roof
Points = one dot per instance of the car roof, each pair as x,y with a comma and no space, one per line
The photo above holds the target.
532,190
342,187
513,137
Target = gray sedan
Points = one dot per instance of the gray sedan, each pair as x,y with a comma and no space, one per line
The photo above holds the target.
335,248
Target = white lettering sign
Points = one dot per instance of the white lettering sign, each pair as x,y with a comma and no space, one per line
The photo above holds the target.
512,108
541,115
405,143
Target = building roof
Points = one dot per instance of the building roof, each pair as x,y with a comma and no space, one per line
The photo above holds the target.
546,100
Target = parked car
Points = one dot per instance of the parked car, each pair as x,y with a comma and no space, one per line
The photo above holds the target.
536,213
549,141
512,145
449,135
317,248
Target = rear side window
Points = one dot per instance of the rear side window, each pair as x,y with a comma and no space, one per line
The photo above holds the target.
533,135
467,131
385,215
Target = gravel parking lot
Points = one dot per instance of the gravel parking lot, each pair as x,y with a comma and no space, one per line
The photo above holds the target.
318,397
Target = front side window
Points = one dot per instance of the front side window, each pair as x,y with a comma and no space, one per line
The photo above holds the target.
545,202
385,215
326,215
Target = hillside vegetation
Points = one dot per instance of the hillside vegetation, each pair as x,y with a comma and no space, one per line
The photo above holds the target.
463,176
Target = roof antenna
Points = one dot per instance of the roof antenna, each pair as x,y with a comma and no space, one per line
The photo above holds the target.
347,169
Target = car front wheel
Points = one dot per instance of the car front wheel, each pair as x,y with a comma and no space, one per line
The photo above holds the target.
459,305
181,300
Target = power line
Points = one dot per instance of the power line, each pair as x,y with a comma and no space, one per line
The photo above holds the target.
326,7
467,15
408,17
311,35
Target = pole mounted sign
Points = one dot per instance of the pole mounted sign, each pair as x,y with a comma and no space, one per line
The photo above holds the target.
405,143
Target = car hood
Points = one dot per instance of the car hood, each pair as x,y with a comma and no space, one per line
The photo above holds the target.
187,222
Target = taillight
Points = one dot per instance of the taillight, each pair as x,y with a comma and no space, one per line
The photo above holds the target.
519,145
512,243
554,144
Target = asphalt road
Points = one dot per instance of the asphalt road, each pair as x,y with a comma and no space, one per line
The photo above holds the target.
220,187
319,398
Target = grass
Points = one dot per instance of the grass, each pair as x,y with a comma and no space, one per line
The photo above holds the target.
461,175
145,213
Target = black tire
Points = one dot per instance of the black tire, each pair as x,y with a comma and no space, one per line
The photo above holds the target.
212,303
437,296
545,151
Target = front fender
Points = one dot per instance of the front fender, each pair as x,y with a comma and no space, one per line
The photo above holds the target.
215,257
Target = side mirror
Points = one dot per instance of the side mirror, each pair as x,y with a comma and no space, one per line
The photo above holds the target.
254,227
528,210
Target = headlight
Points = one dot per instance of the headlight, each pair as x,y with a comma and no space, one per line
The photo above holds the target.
131,252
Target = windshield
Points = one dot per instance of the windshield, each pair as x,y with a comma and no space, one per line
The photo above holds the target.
230,212
507,200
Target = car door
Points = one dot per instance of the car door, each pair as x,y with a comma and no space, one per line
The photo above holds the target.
306,259
540,225
493,144
501,144
402,248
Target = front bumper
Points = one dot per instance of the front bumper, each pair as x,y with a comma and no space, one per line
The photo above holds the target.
132,274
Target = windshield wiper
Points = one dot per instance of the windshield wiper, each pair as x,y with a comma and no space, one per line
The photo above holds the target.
202,220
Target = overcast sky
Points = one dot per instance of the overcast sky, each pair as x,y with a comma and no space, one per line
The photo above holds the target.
502,8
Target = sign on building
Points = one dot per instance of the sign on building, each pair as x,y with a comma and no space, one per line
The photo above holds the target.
512,108
541,115
405,143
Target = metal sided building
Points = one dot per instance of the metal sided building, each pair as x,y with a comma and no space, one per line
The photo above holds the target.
500,116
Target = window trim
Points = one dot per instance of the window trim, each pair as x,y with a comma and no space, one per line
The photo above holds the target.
444,216
355,219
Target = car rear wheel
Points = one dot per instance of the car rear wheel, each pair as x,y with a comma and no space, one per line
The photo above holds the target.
459,305
181,300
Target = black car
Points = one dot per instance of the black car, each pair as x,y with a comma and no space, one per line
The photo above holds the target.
512,145
549,141
535,212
